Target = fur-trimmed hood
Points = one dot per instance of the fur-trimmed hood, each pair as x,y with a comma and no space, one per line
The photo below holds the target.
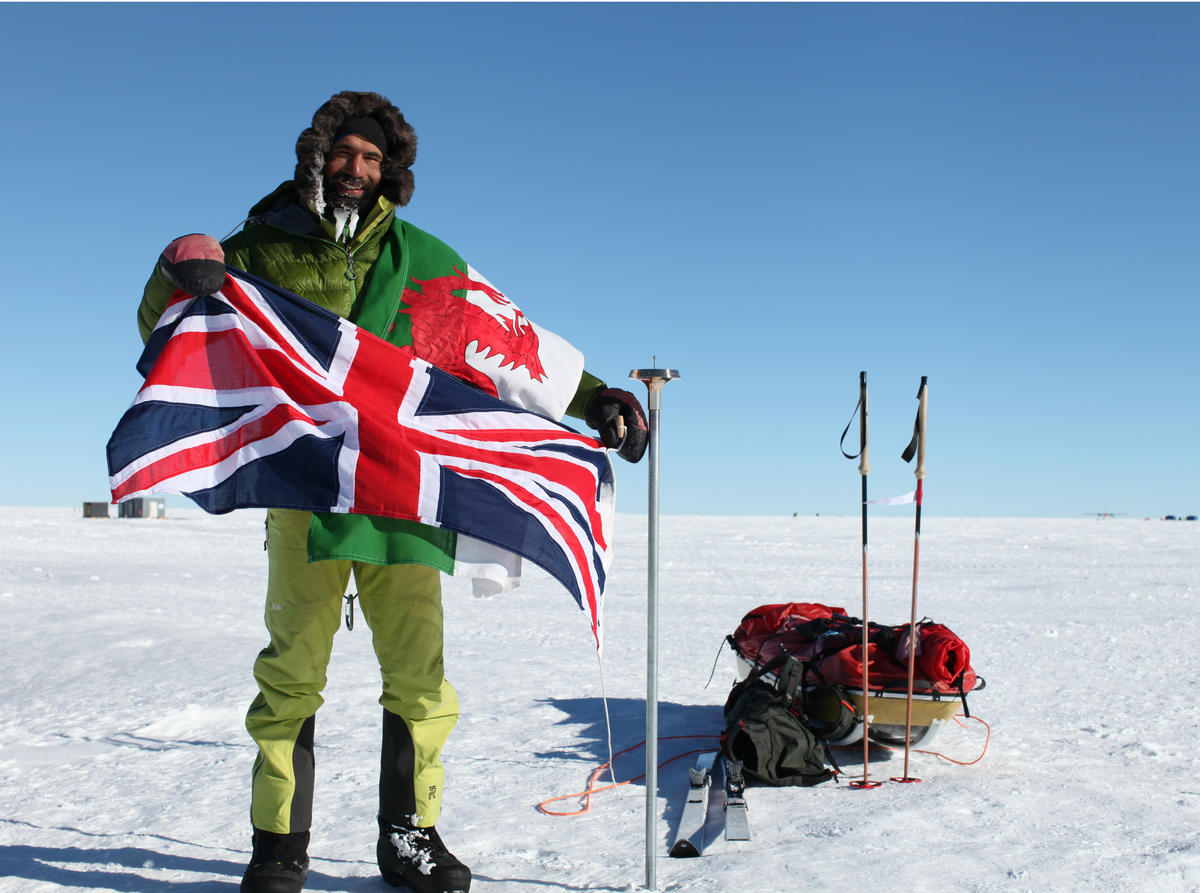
396,182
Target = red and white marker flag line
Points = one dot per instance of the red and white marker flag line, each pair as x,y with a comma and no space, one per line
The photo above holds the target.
914,496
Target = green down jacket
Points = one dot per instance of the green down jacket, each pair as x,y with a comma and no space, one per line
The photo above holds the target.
285,242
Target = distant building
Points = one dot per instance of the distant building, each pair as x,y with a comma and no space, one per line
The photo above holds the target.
95,509
143,507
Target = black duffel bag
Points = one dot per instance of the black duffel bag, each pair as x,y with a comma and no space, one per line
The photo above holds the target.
766,731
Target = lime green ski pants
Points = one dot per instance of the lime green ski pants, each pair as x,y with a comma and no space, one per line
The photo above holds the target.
402,605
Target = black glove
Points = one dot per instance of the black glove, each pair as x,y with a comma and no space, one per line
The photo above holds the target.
602,415
194,264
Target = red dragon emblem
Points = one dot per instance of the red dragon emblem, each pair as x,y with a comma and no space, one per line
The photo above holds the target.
444,326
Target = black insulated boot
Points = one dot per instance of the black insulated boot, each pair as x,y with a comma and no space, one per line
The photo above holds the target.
279,863
415,860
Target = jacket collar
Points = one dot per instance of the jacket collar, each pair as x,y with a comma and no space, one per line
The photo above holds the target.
379,212
284,208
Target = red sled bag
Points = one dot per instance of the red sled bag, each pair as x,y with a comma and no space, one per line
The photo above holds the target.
943,657
759,637
829,643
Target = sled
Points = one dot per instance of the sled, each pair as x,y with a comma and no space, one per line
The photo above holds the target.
930,713
827,644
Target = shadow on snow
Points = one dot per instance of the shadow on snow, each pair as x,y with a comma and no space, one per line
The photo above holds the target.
688,723
124,868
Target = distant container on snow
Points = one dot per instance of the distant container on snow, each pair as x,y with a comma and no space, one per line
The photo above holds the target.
95,509
143,507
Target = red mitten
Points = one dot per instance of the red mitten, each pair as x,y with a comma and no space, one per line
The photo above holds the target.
195,264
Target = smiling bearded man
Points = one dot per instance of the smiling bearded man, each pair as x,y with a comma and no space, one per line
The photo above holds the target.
321,235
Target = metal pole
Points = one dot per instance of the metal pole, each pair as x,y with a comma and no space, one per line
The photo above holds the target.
654,379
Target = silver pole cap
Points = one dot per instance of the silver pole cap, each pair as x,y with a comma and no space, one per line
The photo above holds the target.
649,375
654,379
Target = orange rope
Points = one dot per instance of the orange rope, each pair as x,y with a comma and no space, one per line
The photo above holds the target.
592,789
933,753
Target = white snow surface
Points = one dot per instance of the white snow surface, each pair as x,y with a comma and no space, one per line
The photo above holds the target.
126,668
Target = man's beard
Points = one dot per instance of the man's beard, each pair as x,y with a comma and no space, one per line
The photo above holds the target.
335,200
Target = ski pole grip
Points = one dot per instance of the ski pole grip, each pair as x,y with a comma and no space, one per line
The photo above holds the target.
863,466
922,408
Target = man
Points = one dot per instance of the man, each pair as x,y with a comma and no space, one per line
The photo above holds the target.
331,235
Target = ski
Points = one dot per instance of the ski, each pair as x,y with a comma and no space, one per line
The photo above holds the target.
737,816
689,839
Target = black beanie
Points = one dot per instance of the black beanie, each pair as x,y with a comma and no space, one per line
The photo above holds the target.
368,129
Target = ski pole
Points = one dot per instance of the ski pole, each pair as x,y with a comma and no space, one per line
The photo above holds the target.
653,379
863,469
918,442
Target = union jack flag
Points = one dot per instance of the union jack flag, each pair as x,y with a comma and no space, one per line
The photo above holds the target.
255,397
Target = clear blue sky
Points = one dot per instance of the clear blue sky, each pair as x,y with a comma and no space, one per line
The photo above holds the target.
769,198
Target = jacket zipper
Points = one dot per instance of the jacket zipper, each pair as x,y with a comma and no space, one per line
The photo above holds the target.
350,273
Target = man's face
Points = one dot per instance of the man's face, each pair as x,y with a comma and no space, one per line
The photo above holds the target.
352,172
